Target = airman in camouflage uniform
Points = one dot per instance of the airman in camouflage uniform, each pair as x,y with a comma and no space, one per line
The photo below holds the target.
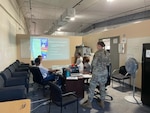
99,74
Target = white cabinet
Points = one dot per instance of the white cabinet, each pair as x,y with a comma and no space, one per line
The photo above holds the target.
84,50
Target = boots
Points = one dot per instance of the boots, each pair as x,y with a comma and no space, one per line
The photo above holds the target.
87,104
101,104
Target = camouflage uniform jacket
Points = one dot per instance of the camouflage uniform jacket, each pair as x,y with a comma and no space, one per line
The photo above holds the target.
100,61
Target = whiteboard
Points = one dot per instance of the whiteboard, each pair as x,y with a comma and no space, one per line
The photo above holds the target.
134,47
25,48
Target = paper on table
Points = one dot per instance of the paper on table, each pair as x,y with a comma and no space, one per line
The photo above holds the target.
76,74
87,76
72,78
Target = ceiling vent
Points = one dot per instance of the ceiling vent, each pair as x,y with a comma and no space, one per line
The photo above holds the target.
64,19
68,14
60,22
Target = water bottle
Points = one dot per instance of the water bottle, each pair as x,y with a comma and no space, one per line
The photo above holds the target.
67,73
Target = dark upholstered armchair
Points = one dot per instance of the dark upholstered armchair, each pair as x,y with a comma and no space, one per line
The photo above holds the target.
14,81
15,73
11,92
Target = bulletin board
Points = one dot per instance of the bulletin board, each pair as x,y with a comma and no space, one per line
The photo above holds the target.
134,47
25,48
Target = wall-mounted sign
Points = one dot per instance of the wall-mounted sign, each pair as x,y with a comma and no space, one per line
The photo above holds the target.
121,48
123,40
115,41
147,53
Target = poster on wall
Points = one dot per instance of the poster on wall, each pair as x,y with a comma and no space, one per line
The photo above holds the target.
121,48
147,53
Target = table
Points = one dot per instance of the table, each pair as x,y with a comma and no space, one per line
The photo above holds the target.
76,83
16,106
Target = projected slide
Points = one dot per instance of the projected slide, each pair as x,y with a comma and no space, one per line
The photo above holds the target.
44,47
50,48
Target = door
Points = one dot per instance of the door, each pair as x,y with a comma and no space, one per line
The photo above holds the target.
111,44
145,94
114,55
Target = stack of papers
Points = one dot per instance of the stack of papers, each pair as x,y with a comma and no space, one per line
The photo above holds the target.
87,76
76,74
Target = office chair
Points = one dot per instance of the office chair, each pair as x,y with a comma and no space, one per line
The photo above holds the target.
120,75
38,78
60,99
107,83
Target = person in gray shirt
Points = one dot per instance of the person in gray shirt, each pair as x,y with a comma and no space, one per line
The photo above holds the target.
86,65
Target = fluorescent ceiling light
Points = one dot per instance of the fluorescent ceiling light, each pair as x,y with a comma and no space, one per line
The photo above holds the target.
105,29
110,0
58,29
137,22
72,19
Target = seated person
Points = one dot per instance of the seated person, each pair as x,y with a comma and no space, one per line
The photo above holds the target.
79,62
48,75
41,58
33,61
86,65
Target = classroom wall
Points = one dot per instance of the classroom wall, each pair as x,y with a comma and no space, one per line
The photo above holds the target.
135,31
74,41
11,23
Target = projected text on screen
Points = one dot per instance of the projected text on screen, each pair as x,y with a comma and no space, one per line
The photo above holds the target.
50,48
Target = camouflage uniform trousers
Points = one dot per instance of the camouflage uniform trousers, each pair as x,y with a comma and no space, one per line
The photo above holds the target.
99,79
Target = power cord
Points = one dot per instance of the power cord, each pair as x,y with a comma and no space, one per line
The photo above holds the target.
42,104
40,100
